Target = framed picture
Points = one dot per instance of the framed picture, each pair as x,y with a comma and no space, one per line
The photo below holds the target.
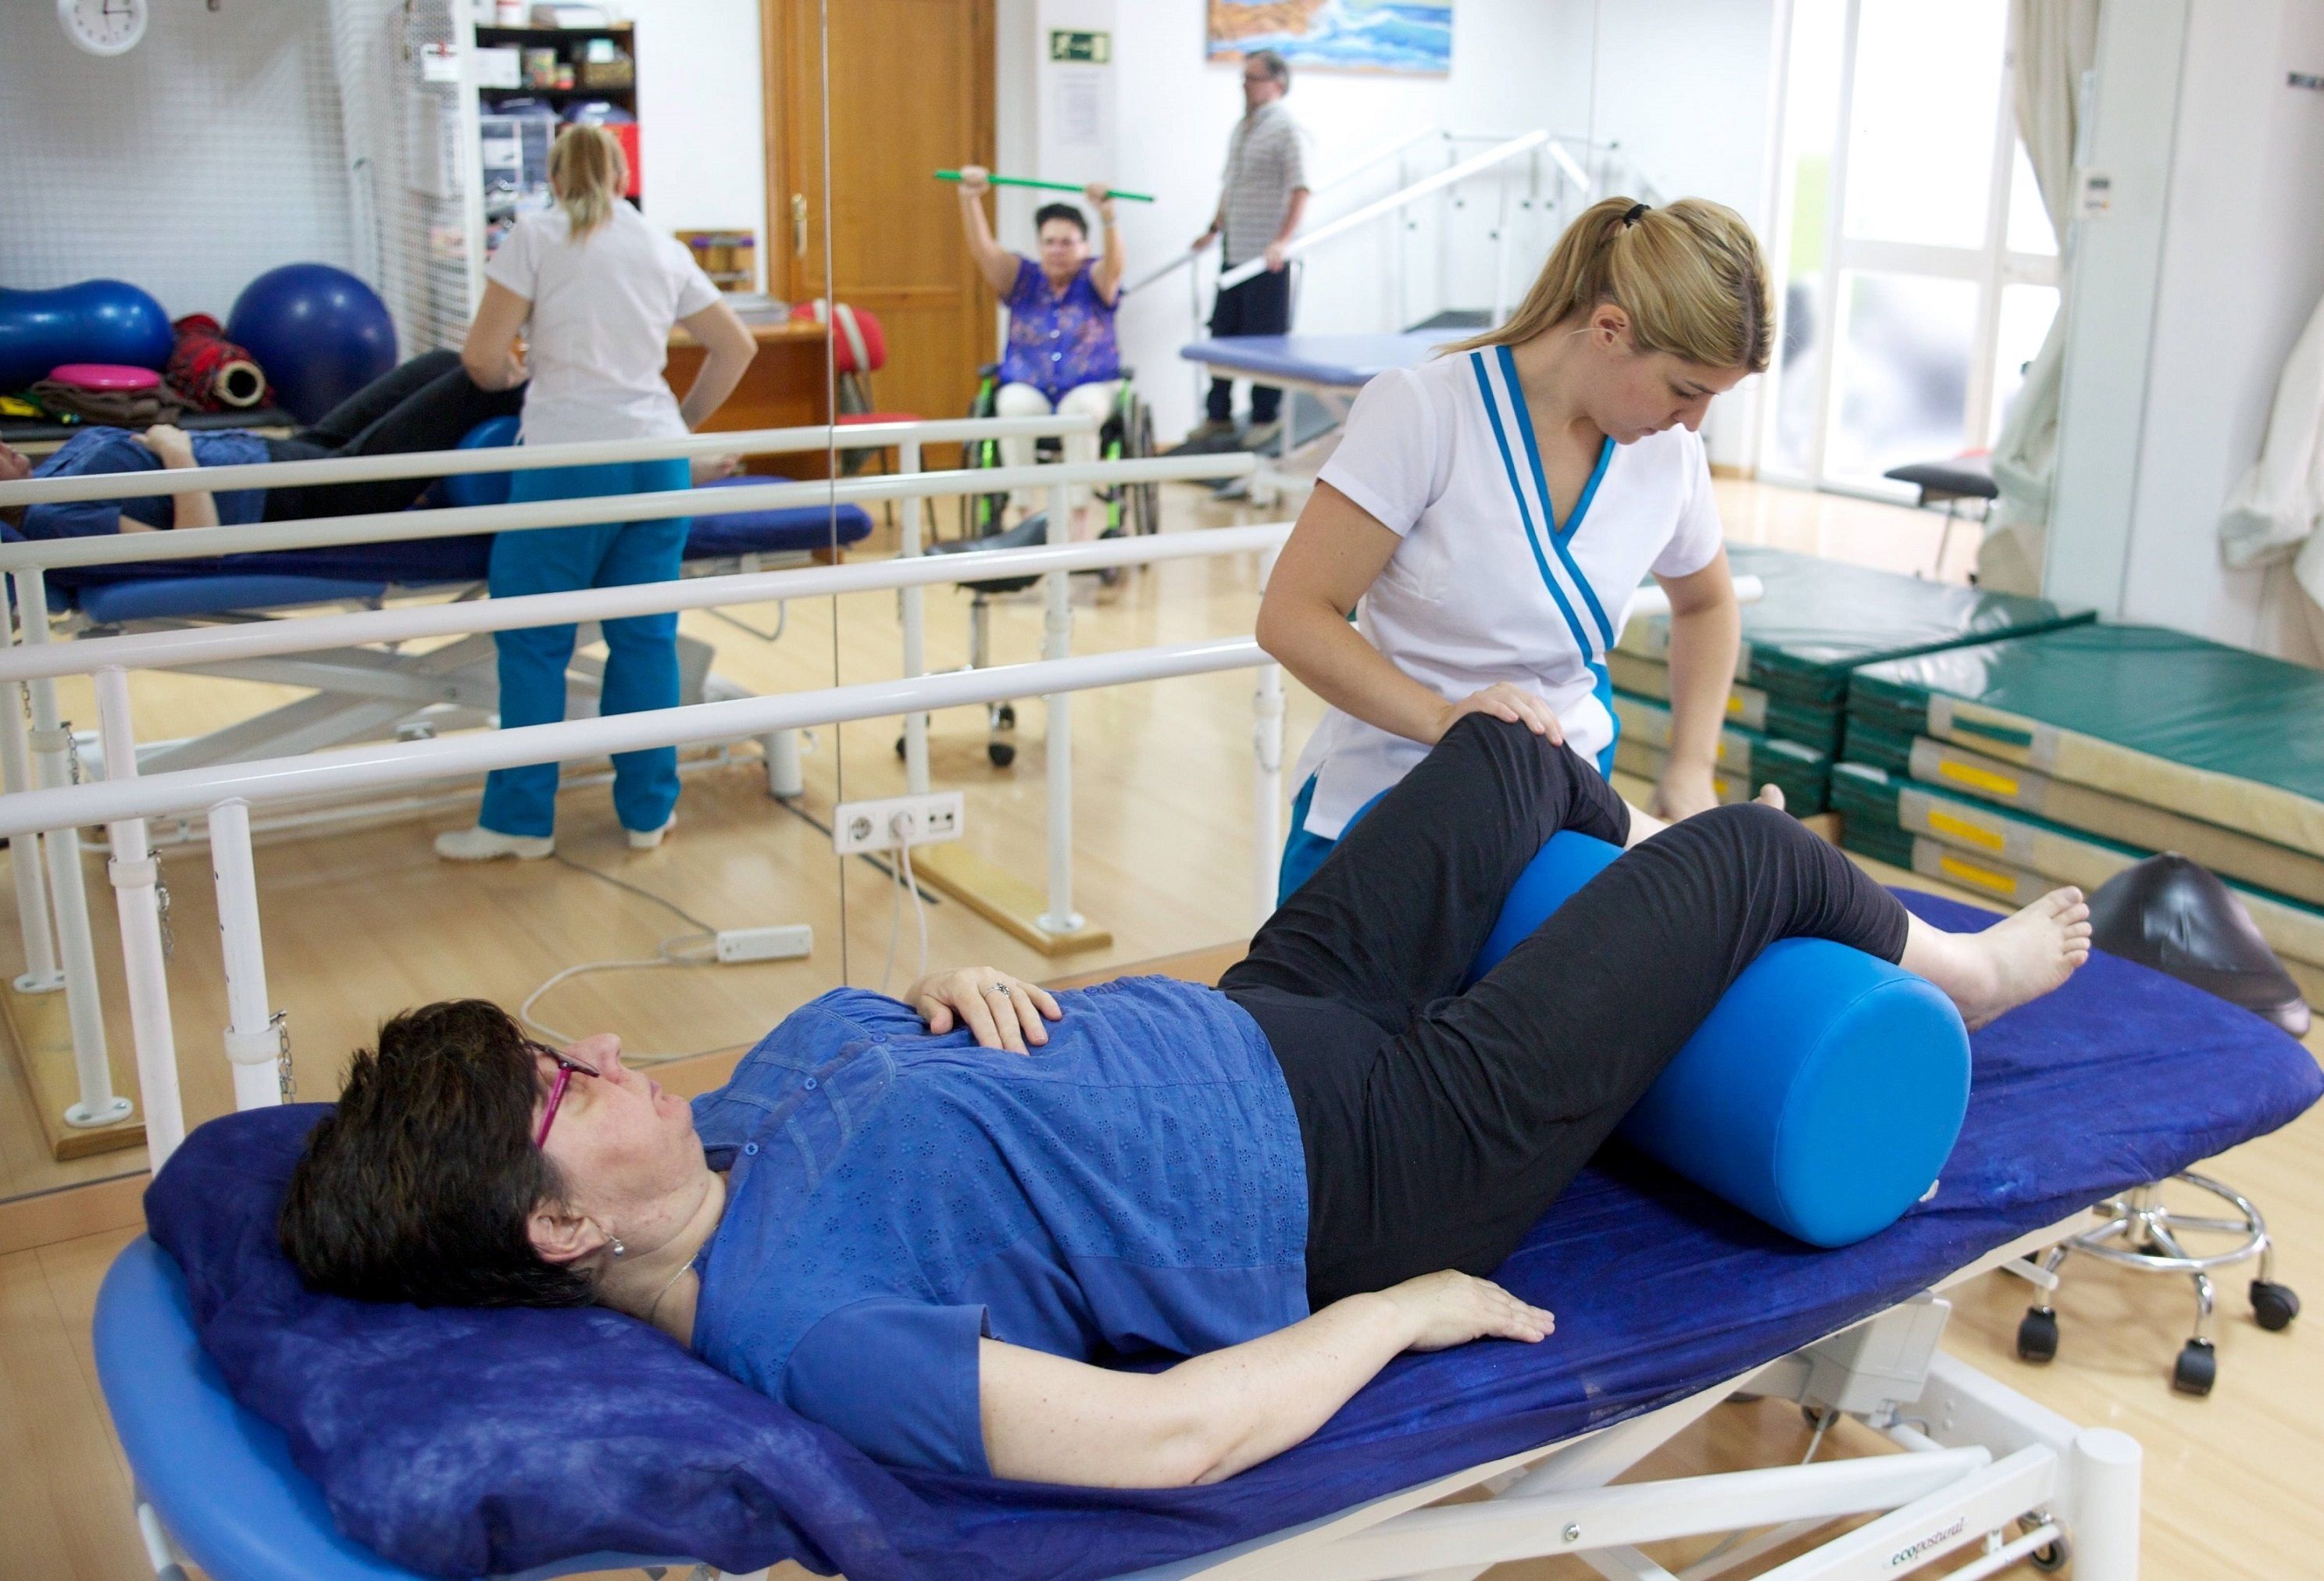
1407,37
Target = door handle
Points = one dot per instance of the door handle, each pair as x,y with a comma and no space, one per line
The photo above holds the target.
798,224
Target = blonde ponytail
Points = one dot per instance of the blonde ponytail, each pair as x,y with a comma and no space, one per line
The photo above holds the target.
1690,275
588,174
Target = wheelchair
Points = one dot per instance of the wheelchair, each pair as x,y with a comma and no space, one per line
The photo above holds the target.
1129,508
1127,435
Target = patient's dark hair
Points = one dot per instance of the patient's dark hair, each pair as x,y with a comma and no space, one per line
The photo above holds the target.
417,1186
1064,211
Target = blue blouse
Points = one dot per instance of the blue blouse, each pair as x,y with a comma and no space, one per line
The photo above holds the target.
1134,1186
117,450
1056,341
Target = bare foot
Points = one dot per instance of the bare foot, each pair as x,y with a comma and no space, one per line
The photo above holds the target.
2020,958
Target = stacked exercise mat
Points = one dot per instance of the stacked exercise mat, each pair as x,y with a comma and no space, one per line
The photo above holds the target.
2065,756
1818,621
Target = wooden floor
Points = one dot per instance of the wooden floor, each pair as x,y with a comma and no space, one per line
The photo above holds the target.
359,924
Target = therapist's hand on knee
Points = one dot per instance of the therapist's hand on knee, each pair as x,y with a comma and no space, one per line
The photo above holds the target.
1505,701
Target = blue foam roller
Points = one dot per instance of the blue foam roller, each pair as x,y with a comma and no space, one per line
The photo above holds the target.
482,488
94,321
1823,1093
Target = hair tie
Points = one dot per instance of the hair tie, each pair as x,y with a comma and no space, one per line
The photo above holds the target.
1638,211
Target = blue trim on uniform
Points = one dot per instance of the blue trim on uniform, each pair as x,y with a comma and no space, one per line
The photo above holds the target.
1604,688
1557,538
1524,514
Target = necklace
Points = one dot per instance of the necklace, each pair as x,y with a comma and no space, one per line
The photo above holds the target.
667,1286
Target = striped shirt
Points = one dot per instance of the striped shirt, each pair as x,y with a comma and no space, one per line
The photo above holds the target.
1265,165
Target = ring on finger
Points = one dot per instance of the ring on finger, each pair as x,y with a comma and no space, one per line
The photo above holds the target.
1002,989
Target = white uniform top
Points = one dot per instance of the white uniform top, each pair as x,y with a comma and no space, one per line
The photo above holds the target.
601,312
1490,583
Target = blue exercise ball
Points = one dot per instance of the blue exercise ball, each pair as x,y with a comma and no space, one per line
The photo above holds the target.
94,321
482,488
319,332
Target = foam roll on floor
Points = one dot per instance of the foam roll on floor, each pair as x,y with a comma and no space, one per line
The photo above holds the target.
1822,1095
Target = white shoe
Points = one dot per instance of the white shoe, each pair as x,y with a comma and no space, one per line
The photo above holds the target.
650,839
481,844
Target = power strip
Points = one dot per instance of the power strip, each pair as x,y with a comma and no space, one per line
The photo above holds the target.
790,943
884,825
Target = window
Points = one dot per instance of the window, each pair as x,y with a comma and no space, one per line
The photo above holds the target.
1918,266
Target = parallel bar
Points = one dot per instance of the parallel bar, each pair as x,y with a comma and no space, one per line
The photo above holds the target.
251,1040
41,975
136,887
1388,205
311,633
98,1105
138,548
430,464
912,606
384,765
1056,642
1267,792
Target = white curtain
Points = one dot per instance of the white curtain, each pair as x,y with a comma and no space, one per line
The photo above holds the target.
2272,515
2056,42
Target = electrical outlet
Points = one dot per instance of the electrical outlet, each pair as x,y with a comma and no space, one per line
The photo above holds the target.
862,826
737,945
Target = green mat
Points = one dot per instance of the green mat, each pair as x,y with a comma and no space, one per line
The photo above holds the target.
1801,772
1980,835
1812,725
2228,852
2212,732
1821,618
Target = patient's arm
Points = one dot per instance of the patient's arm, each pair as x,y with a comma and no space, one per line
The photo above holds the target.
196,507
1050,1420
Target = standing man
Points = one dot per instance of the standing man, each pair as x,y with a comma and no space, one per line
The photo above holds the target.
1260,208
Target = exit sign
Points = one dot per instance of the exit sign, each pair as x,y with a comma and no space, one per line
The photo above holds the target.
1070,44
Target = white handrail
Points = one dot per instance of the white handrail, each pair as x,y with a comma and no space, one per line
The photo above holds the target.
1395,200
171,649
387,764
360,469
403,526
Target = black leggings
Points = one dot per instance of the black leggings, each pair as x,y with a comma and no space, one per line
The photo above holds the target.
430,403
1439,1125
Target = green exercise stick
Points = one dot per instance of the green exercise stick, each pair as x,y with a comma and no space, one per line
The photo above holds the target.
1046,186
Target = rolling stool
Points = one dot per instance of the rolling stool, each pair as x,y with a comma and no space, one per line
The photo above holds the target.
2176,916
1949,485
2148,1237
1000,718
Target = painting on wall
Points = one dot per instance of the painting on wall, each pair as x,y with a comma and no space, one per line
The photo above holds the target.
1407,37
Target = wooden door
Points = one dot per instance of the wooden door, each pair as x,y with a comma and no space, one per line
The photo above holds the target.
911,92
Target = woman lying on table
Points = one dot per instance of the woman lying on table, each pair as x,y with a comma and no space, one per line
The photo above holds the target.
926,1224
428,403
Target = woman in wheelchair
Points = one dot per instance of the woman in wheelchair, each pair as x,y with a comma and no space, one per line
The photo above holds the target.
1062,355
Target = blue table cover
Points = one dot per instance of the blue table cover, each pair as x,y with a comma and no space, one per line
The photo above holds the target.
1351,360
461,1442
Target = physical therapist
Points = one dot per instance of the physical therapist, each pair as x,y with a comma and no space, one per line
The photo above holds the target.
600,290
1489,516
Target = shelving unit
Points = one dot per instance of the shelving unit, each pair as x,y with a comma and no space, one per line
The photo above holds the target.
515,146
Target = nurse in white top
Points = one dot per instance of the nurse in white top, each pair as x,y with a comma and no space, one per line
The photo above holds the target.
597,290
1489,516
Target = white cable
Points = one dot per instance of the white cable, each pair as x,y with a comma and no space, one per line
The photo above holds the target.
920,907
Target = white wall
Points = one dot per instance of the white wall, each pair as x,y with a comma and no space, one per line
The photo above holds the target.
2241,267
207,155
1685,85
702,116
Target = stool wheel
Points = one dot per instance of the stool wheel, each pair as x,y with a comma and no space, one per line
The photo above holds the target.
2038,1335
2050,1555
900,747
2197,1370
2274,1305
1002,753
1005,718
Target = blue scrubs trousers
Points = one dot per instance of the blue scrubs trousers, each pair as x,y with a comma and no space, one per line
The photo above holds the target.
640,652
